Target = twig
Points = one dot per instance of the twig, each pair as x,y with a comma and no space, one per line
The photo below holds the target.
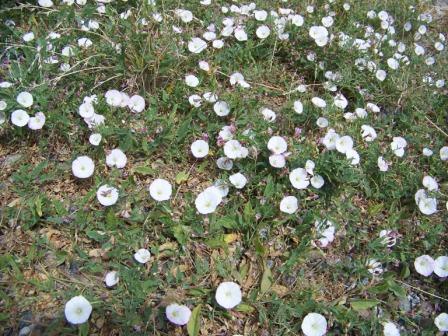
432,123
421,290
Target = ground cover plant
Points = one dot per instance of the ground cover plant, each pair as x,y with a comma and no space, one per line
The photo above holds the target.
215,167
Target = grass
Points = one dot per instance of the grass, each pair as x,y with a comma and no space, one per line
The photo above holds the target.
57,241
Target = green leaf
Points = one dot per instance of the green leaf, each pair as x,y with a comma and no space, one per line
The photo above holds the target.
226,222
181,177
194,324
38,205
359,305
244,308
143,170
266,279
395,288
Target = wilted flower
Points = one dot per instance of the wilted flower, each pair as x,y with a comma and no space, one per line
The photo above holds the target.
374,267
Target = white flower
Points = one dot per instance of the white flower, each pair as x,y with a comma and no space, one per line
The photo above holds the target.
381,75
289,204
234,150
340,101
260,15
37,122
390,329
344,144
224,163
95,139
218,44
263,32
67,51
419,50
208,200
427,152
142,256
203,65
77,310
368,133
277,160
209,35
398,145
353,156
83,167
382,164
374,267
136,103
228,294
238,180
160,190
268,114
322,122
111,278
277,145
113,98
221,108
196,45
195,100
3,105
441,321
318,32
372,107
27,37
45,3
319,102
314,324
20,118
441,266
116,158
427,205
327,21
210,97
86,110
185,15
317,181
299,178
191,80
107,195
430,183
444,153
238,78
84,42
25,99
199,149
298,107
330,139
177,314
240,34
393,63
424,265
5,85
360,112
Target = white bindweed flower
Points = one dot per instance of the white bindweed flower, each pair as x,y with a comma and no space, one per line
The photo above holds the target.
268,114
344,144
263,32
383,165
95,139
353,156
228,295
430,183
3,105
238,180
289,204
25,99
314,324
111,278
196,45
398,145
136,103
86,110
277,160
142,256
77,310
160,190
85,42
298,107
107,195
340,101
221,108
203,65
185,15
444,153
441,266
28,37
45,3
260,15
318,102
374,267
83,167
299,178
199,149
113,98
178,314
240,34
427,152
277,145
322,122
427,205
208,200
191,80
381,75
37,122
441,322
390,329
234,150
224,163
317,181
195,100
368,133
424,265
116,158
330,139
